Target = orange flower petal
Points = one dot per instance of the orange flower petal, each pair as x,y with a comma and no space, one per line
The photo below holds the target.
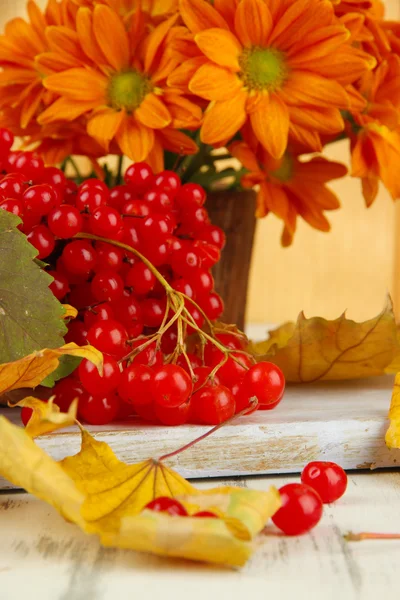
305,138
156,157
223,119
17,76
199,15
78,84
36,19
176,141
302,17
185,114
370,189
49,63
154,41
84,28
104,125
303,87
321,170
181,76
30,106
273,199
134,139
24,36
345,65
270,122
319,43
220,46
111,36
253,22
325,119
245,155
65,42
153,113
65,109
214,83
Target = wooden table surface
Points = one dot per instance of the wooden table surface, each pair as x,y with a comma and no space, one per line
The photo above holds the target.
43,557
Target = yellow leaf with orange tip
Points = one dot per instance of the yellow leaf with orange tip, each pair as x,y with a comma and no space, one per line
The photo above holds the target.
46,416
30,371
393,433
105,496
320,350
70,312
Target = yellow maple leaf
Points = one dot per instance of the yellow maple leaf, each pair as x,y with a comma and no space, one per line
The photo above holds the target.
30,371
105,496
393,433
46,416
317,349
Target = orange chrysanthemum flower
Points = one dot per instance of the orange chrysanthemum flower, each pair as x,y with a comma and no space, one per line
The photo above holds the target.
21,79
290,187
118,84
126,8
284,66
375,136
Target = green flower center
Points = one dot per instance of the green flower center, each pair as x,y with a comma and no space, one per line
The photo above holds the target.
263,68
128,89
285,171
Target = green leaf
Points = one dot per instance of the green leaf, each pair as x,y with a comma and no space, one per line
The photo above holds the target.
30,316
67,365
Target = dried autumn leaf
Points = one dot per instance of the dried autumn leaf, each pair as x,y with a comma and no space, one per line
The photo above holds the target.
393,433
317,349
46,416
30,315
105,496
28,372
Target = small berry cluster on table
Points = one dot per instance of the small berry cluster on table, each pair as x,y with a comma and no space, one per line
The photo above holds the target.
135,261
301,503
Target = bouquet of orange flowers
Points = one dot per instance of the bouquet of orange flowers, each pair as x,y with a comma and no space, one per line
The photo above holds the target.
173,82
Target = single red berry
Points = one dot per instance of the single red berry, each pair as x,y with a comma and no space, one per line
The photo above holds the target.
202,282
266,382
185,287
95,383
131,232
136,208
129,311
135,385
66,391
158,253
213,305
167,505
195,361
208,253
195,218
120,195
149,356
140,279
107,286
109,257
185,261
6,140
39,199
213,404
99,410
100,312
59,286
190,194
139,177
178,415
159,201
155,227
65,221
79,257
88,199
95,184
205,514
169,340
202,376
70,192
328,479
57,181
153,311
16,207
77,333
13,186
43,240
29,164
26,414
171,386
233,371
196,316
168,181
106,222
213,235
301,509
109,337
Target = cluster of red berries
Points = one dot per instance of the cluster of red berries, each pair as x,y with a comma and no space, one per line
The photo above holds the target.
302,503
123,300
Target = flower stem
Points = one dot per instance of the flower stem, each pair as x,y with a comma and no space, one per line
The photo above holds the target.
118,176
252,405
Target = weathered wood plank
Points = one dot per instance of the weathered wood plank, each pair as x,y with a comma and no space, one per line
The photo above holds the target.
343,422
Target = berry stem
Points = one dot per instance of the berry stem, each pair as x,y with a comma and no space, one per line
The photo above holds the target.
359,537
253,403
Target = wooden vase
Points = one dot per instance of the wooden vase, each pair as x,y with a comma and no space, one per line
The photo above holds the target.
234,212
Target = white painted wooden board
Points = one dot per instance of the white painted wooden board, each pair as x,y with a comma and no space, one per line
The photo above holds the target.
43,557
344,422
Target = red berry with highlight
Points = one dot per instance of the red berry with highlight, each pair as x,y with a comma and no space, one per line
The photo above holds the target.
328,479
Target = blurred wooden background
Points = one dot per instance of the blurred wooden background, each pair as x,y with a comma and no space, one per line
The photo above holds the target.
353,267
